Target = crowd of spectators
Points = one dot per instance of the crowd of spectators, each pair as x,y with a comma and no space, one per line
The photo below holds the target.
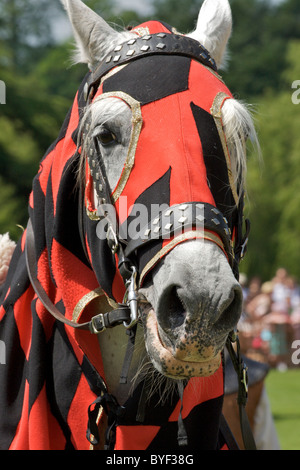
271,319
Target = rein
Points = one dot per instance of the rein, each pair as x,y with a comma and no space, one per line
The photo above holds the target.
176,220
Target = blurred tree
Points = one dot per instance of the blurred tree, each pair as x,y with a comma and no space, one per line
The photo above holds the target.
274,197
24,31
40,87
181,15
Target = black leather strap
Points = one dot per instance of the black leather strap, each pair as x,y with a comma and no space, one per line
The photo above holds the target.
180,218
241,371
150,44
97,324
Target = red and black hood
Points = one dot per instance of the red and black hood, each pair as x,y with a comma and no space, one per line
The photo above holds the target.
180,150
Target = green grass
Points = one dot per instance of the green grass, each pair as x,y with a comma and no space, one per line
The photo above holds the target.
284,394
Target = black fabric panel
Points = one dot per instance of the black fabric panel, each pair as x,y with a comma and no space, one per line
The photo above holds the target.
158,193
67,212
81,106
155,412
102,260
215,161
37,215
63,376
155,77
37,358
202,428
12,380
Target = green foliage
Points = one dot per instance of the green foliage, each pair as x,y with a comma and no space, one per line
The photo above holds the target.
273,187
11,209
181,15
283,392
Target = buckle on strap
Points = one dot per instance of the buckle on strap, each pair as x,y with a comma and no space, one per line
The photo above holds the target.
97,324
131,299
102,321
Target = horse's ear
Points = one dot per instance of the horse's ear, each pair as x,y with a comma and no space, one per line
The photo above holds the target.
92,34
214,27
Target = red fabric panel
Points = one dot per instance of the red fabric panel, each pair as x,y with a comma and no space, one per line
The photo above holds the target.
199,390
78,421
135,437
39,430
153,27
24,322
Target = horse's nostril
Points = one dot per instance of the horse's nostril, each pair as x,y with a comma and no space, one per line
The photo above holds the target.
175,310
231,310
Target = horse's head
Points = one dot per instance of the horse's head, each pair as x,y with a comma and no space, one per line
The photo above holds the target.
163,141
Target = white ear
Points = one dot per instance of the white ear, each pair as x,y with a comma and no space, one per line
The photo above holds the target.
214,27
94,37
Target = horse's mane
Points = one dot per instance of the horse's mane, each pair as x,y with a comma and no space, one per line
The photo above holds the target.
238,127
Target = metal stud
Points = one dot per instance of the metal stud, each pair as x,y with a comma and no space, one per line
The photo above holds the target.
168,226
100,187
216,221
183,207
145,48
130,52
147,232
161,35
215,210
108,59
116,58
118,48
157,229
182,220
168,212
146,37
156,221
200,218
160,46
93,163
97,176
131,41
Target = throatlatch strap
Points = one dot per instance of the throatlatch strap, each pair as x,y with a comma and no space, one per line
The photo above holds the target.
241,371
182,435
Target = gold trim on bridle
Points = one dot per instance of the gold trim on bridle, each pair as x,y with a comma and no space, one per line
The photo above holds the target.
191,235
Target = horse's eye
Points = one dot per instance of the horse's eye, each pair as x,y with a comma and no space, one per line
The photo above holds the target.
106,137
